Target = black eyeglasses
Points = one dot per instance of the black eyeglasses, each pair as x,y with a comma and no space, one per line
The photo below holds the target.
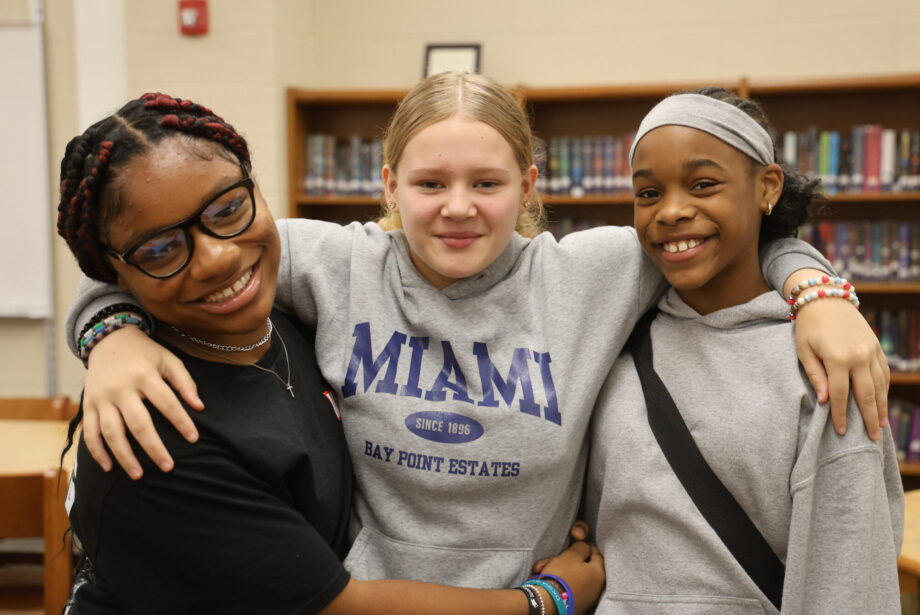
165,252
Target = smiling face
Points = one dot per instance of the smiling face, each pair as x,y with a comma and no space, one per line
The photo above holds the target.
459,192
698,208
226,291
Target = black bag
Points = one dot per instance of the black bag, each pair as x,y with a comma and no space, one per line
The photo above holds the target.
714,501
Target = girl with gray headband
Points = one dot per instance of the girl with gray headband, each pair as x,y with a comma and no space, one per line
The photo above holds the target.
722,487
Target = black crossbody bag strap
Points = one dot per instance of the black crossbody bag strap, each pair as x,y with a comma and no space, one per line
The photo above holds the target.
714,501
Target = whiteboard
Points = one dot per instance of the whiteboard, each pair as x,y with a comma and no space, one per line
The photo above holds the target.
25,206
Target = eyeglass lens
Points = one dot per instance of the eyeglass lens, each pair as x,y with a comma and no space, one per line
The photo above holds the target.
165,253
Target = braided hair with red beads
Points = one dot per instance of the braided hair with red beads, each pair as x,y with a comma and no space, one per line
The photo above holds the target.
92,161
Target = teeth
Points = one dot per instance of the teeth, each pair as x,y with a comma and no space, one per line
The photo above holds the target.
680,246
230,291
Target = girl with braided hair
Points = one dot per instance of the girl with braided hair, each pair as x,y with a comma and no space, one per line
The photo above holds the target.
159,198
466,351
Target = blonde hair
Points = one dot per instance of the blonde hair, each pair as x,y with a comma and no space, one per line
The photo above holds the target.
446,95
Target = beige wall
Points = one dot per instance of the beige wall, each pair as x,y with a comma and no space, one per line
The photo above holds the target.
256,49
574,42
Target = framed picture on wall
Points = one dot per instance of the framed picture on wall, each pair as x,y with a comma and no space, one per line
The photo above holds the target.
458,57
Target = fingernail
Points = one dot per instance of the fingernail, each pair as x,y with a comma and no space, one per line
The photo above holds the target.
134,473
191,436
166,466
106,467
841,430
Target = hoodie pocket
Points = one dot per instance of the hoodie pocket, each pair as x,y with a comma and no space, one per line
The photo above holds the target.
376,556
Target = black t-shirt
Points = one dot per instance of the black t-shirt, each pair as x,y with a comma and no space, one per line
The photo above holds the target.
254,517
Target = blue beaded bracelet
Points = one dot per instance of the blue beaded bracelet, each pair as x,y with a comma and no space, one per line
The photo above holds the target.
561,606
98,331
567,594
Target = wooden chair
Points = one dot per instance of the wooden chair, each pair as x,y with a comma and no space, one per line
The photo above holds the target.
33,505
59,408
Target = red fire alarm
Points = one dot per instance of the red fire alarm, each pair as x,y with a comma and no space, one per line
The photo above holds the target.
193,17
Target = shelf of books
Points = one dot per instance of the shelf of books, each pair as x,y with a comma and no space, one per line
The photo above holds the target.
334,152
861,136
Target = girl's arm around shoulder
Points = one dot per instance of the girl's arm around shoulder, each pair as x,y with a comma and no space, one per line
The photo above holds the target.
317,260
606,262
833,341
847,521
780,258
91,297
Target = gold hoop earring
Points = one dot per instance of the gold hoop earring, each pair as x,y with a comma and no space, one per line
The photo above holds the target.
391,205
769,208
527,204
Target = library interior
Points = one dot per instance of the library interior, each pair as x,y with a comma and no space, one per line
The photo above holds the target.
312,85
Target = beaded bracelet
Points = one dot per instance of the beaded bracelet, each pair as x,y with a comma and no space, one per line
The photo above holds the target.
567,594
824,280
561,606
111,323
111,310
534,600
849,295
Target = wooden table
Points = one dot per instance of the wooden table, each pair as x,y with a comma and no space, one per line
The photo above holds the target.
909,561
31,446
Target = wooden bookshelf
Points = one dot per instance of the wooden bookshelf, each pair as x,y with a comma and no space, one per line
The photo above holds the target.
836,104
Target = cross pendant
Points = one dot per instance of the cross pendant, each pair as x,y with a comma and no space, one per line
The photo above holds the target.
290,389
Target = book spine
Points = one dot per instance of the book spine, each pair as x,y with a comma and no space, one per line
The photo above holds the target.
790,149
812,150
902,182
329,173
610,181
598,151
904,440
903,270
576,186
889,151
376,167
914,180
354,164
873,157
858,159
915,252
894,421
879,249
366,169
565,165
913,446
844,161
553,165
833,162
824,154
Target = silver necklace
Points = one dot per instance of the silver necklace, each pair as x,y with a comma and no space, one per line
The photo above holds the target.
226,347
286,384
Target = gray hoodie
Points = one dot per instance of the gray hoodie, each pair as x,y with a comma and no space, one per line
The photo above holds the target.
831,507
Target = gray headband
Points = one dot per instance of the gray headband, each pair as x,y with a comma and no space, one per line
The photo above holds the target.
720,119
